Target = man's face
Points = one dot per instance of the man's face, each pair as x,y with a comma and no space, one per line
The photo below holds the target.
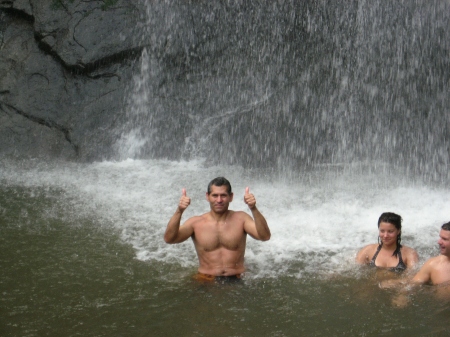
219,199
444,242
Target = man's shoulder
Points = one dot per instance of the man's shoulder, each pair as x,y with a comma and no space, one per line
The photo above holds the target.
236,212
438,269
441,259
239,215
200,219
434,261
196,219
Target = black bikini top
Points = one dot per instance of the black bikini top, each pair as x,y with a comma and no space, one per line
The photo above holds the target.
401,266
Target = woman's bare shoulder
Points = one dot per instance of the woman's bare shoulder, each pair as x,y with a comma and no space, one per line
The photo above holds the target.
410,256
408,249
365,253
369,248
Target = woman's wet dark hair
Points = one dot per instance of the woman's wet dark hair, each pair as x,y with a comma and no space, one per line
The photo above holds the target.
219,181
396,220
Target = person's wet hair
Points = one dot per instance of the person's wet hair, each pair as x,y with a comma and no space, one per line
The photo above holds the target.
446,226
396,220
219,181
391,218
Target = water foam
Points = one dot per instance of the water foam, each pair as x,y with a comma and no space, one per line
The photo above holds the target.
318,221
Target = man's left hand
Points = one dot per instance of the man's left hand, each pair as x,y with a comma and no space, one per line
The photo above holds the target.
249,198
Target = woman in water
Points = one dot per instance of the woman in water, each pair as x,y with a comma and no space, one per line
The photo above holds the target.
388,254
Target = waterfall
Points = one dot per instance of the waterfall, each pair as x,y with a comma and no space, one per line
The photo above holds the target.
289,85
331,112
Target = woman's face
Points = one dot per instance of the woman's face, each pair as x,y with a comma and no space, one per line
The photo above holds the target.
388,233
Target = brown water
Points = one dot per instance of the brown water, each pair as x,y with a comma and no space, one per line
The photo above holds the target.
66,276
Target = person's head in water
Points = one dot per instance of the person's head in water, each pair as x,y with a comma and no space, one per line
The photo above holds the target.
219,181
396,221
444,239
446,226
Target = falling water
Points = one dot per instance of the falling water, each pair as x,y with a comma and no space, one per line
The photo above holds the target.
331,113
290,85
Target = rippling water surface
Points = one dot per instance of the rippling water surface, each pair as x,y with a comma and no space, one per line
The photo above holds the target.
82,253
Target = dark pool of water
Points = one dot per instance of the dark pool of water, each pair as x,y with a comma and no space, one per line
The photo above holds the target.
68,276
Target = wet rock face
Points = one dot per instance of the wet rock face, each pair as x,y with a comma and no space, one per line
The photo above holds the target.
273,84
83,32
64,68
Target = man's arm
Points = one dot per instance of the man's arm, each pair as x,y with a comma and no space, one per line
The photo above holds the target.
424,274
422,277
256,227
175,234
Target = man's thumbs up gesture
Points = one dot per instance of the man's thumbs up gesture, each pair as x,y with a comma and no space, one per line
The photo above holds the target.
185,201
249,198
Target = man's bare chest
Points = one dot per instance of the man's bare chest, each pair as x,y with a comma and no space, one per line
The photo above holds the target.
213,236
441,273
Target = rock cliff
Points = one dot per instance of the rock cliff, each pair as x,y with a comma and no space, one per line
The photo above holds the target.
64,68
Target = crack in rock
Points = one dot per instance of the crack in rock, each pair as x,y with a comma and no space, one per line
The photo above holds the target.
41,121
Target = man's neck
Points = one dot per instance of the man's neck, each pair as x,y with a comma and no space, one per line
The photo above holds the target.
219,216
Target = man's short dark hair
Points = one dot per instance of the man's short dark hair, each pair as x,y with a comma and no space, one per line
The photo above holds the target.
219,181
446,226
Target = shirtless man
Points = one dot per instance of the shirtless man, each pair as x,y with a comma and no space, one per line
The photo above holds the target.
220,235
436,271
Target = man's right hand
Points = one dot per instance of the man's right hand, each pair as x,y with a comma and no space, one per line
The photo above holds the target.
185,201
175,234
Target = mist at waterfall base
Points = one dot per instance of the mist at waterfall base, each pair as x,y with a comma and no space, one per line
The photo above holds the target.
356,125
